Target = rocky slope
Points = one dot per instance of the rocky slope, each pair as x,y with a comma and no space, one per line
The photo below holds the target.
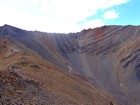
104,58
27,79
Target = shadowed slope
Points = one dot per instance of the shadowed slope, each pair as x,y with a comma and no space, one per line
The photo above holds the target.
25,78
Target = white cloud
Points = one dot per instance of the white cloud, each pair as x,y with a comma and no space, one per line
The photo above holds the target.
93,23
77,10
55,15
111,14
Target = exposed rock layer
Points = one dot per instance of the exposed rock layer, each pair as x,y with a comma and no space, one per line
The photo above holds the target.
108,56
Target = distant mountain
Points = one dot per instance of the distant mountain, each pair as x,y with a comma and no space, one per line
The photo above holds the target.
99,66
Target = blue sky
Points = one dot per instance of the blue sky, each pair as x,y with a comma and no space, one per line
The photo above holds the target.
66,16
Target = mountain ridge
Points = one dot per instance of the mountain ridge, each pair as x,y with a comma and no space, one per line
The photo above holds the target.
107,57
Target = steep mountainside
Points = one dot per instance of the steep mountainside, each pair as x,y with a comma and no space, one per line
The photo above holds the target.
100,66
27,79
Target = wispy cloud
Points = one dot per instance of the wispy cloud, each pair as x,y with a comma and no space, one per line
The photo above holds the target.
92,24
76,10
111,14
55,15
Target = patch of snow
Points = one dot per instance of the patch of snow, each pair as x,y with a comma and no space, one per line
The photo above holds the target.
70,69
